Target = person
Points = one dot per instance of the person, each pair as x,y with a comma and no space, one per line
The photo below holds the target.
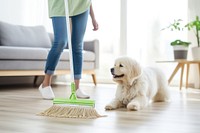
79,10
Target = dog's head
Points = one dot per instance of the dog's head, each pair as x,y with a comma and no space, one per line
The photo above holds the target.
125,70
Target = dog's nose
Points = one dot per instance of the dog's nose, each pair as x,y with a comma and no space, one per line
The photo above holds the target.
112,71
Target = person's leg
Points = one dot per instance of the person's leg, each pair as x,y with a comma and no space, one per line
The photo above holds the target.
79,24
60,41
47,80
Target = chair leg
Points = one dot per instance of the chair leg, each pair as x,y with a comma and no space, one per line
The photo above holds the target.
35,80
94,79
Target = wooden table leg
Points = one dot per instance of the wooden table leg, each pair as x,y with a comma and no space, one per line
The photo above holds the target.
199,71
187,74
94,79
181,78
179,65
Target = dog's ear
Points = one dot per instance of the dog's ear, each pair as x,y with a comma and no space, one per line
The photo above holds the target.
135,72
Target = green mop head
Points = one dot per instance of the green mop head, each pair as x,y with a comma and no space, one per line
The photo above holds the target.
72,107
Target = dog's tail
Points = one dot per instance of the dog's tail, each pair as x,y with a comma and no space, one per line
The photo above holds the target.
163,93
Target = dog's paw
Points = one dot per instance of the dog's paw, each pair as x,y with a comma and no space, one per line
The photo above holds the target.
109,107
135,106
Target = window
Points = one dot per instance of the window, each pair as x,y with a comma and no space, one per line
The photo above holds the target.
143,22
107,13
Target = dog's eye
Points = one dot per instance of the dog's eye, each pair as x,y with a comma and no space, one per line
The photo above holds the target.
121,65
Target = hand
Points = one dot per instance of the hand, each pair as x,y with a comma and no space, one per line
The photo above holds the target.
94,22
95,25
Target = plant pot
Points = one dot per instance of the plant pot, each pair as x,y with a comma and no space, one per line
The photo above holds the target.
196,53
180,52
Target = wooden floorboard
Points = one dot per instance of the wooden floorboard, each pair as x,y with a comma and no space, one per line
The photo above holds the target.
20,104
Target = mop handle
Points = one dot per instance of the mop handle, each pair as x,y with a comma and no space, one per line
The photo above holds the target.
69,40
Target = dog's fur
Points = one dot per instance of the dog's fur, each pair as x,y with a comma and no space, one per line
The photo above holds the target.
137,85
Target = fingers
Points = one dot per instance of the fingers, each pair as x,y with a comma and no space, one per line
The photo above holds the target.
96,27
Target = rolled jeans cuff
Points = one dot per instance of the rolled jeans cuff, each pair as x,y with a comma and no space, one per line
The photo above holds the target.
49,72
77,76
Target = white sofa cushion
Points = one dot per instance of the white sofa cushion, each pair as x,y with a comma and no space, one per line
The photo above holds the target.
27,53
23,36
22,53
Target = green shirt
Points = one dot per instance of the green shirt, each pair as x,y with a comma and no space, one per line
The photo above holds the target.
57,7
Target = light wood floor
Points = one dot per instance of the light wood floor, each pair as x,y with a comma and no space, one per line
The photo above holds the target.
20,104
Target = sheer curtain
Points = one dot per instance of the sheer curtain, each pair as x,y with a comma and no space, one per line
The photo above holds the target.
25,12
133,28
107,13
145,40
36,13
11,11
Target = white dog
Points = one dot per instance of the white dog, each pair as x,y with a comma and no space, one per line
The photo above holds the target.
137,85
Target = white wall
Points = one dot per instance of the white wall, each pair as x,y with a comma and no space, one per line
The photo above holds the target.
193,11
25,12
11,11
146,41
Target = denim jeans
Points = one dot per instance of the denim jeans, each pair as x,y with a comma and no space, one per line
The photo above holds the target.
79,23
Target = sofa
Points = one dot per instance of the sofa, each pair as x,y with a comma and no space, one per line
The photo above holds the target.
24,49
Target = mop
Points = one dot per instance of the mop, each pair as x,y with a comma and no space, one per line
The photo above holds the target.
71,107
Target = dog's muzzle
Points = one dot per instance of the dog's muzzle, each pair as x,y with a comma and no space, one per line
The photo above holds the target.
112,70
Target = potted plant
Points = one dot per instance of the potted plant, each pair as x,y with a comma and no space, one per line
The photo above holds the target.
195,26
180,47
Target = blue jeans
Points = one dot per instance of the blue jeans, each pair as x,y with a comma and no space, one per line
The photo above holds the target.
79,24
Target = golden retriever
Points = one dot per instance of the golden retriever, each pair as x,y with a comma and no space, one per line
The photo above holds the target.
136,86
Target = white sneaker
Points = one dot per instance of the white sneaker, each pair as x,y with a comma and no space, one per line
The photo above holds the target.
46,92
81,94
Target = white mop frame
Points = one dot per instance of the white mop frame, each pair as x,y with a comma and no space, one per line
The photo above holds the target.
69,40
